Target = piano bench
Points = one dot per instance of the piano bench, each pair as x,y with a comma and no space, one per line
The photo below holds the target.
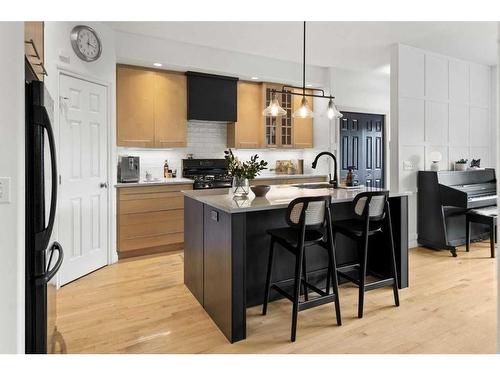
487,216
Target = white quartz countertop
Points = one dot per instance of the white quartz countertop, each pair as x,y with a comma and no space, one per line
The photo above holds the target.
155,182
279,196
182,180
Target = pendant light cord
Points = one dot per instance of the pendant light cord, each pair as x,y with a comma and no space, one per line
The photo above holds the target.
304,63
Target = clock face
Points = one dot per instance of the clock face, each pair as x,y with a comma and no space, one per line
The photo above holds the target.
86,43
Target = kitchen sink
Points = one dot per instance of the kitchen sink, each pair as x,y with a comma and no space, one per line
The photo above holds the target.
314,186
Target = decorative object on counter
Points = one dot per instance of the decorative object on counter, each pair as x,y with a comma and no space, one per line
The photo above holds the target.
149,176
475,164
349,180
260,190
435,157
300,166
304,111
243,171
286,167
189,156
167,172
461,165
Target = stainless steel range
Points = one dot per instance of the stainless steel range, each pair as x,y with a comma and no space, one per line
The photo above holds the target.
207,173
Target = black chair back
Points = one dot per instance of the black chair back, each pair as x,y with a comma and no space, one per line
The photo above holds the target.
371,205
308,212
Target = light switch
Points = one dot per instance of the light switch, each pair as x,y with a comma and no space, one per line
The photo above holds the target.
4,189
408,165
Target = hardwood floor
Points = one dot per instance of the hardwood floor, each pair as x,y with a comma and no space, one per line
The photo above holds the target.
142,306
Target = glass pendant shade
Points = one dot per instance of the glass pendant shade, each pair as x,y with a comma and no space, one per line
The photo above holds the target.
332,111
304,111
274,109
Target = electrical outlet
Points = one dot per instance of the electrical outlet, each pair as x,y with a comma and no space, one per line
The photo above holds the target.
408,165
4,189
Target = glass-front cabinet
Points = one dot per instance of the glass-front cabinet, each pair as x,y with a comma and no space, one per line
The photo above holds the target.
279,130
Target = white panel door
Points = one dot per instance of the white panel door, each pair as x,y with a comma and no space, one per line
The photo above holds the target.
83,201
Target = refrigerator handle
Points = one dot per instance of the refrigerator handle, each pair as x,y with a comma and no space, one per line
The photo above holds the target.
49,273
41,118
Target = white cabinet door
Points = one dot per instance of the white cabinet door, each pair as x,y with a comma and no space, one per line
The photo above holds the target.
83,200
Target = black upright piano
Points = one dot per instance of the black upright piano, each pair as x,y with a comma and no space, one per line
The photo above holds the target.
443,199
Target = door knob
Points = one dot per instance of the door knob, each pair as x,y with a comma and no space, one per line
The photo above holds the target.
103,185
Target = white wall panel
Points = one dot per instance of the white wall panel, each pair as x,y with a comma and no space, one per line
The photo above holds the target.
479,127
479,85
458,125
438,103
411,121
436,123
436,78
411,72
458,81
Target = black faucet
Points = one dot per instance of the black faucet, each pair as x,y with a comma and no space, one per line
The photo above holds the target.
333,182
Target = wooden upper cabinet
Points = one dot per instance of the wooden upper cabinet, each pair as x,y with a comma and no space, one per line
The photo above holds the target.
135,107
302,127
247,131
151,108
34,47
170,109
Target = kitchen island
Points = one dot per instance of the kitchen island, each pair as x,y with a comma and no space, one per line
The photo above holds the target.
226,248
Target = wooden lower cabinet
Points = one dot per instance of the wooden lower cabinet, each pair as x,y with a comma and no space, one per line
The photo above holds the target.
150,219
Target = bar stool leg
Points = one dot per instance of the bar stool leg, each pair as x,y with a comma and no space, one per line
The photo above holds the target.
363,249
333,267
296,291
304,276
467,233
395,286
492,240
268,277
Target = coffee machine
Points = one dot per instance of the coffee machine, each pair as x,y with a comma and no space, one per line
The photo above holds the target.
128,169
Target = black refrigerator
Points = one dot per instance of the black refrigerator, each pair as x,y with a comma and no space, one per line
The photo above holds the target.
43,257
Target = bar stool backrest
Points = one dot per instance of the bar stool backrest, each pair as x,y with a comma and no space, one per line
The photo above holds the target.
308,211
371,204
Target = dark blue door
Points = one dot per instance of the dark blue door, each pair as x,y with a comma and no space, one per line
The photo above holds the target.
362,147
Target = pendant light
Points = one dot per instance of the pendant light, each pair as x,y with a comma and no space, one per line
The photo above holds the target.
304,111
332,111
274,109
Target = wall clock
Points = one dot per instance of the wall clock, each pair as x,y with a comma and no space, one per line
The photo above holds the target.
86,43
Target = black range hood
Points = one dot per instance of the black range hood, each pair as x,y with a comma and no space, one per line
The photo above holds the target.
211,97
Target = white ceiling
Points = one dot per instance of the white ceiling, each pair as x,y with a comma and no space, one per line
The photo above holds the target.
350,45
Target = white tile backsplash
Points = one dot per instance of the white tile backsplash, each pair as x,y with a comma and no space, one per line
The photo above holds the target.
209,140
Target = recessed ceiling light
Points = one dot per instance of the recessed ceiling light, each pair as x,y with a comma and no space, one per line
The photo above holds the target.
157,64
254,78
309,85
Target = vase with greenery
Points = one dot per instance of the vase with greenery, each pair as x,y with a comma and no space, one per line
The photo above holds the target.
243,171
461,165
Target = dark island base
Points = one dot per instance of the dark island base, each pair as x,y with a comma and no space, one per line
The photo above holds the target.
225,257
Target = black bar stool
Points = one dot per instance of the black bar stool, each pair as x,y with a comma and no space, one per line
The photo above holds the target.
487,216
371,215
306,218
